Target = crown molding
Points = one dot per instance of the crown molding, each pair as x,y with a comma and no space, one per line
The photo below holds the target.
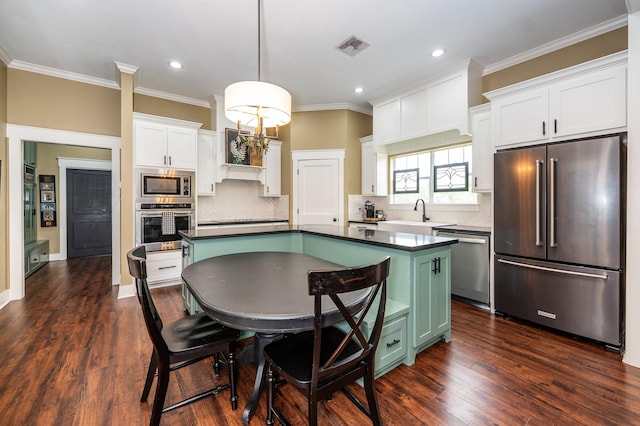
126,69
4,55
67,75
605,27
171,97
336,106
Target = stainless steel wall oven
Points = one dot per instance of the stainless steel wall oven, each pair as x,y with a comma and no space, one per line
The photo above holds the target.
164,206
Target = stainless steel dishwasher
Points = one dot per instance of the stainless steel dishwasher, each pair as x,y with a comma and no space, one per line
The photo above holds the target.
469,263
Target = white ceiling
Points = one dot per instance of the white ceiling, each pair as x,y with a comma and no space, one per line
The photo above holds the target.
217,41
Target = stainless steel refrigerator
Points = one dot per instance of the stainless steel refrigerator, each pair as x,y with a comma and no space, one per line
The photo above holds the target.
559,235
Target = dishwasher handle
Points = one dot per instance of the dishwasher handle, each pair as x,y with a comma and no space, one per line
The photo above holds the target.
467,240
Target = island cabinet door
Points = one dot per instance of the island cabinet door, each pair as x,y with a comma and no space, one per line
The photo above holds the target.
431,313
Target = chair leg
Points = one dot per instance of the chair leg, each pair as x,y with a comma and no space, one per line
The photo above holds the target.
150,375
313,410
216,363
231,365
270,386
161,393
372,399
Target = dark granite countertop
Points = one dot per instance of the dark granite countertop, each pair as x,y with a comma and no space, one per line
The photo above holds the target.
394,240
240,222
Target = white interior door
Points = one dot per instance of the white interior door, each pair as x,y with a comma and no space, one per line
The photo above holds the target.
318,189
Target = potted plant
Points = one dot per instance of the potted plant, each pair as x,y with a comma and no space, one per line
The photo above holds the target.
256,147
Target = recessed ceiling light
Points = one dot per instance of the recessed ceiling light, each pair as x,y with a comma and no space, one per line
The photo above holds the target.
175,64
358,90
437,52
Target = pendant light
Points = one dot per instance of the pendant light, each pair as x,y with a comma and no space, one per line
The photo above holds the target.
255,103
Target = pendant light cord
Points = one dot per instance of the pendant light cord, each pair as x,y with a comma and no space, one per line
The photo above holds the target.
259,43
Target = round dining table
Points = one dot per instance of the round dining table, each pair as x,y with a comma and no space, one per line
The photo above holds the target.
263,292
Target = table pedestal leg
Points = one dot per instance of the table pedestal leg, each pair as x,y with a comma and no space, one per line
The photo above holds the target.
259,342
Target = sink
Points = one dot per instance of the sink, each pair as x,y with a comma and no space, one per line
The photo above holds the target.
413,227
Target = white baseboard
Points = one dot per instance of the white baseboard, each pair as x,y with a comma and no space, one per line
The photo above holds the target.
126,291
4,299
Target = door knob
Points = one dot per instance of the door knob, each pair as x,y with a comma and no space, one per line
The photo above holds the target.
335,219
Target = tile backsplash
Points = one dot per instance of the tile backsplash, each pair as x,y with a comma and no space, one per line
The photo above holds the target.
471,215
241,200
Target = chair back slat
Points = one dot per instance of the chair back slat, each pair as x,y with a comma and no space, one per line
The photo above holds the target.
137,261
332,284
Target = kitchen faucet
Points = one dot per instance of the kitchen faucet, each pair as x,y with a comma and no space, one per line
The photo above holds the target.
415,208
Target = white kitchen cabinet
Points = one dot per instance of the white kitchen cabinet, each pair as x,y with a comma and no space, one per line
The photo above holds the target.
413,114
272,170
164,266
364,226
205,173
482,148
581,101
434,107
386,122
374,169
165,142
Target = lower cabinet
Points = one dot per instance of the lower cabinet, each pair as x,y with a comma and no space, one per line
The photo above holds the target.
36,255
431,301
393,345
164,266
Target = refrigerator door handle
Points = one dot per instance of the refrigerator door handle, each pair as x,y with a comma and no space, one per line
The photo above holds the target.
552,204
560,271
538,169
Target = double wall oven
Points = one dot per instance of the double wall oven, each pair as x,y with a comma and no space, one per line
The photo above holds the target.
164,206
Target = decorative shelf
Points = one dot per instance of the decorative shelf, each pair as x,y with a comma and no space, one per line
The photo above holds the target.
240,172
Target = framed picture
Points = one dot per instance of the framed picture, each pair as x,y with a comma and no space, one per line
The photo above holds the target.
47,197
235,149
47,186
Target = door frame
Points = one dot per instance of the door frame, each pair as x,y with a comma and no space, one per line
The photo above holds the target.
16,134
74,163
321,154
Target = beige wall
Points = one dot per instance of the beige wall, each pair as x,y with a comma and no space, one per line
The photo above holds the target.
48,155
335,129
596,47
4,249
165,108
42,101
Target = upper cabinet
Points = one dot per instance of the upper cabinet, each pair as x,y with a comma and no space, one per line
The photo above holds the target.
482,151
434,107
205,173
584,100
272,179
374,168
165,142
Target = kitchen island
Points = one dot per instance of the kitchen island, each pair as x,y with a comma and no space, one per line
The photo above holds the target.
418,311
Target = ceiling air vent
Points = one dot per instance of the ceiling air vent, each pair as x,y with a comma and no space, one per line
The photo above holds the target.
352,46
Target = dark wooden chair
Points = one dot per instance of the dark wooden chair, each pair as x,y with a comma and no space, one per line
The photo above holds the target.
179,343
326,359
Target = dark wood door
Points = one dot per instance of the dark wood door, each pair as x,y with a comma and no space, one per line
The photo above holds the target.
88,212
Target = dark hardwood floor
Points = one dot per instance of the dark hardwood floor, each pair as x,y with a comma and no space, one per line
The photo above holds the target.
73,354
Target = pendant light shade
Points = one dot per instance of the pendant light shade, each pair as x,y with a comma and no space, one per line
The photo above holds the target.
248,101
255,103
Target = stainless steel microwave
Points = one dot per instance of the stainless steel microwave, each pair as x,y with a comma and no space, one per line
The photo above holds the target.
166,186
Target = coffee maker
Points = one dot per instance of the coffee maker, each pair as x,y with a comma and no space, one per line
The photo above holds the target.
369,209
